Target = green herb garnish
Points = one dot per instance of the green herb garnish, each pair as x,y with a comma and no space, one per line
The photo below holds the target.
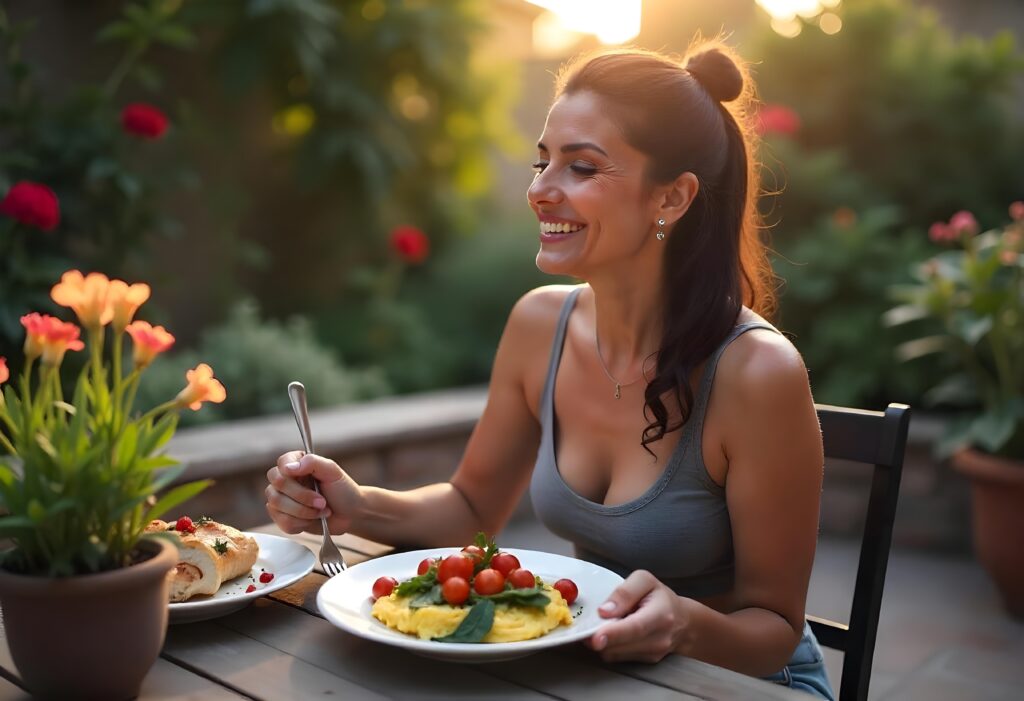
418,584
431,597
475,626
203,520
519,597
220,546
490,549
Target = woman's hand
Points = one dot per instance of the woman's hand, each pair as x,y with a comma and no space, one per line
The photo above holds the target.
652,621
295,507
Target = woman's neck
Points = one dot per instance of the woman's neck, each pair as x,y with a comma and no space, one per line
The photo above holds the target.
628,322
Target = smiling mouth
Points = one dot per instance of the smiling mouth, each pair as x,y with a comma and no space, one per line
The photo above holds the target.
559,228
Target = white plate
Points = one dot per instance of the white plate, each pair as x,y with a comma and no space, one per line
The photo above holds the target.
287,560
345,601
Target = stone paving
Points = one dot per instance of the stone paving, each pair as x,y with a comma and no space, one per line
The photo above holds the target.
942,635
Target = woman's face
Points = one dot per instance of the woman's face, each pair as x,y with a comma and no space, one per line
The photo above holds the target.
595,205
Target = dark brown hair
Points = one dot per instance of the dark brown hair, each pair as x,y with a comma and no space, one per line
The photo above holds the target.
690,116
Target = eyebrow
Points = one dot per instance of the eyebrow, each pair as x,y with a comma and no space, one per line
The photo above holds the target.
579,146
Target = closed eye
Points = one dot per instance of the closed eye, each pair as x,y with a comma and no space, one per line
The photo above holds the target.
539,166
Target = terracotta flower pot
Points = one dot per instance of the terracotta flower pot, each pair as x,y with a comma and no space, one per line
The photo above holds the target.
997,488
93,636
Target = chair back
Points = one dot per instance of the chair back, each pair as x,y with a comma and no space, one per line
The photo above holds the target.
876,439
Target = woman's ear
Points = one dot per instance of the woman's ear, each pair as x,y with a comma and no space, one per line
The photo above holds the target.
676,197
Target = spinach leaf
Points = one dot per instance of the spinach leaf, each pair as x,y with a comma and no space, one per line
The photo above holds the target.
475,626
520,597
418,584
432,597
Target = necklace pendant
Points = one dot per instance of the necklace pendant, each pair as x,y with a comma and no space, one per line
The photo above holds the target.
618,391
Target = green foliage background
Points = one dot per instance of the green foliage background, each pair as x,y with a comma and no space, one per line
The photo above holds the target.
902,124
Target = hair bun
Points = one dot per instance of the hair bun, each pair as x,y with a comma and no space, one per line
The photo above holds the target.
717,73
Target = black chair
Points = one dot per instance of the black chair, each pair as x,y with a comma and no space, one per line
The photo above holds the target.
879,439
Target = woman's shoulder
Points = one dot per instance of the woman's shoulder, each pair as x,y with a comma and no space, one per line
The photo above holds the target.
539,309
760,362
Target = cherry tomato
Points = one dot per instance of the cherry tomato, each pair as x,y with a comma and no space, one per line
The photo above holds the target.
505,563
457,565
475,552
567,588
425,564
455,590
489,581
521,579
384,586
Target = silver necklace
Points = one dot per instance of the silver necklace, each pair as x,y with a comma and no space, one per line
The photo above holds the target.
618,385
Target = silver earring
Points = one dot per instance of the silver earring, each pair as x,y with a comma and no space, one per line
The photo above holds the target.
661,233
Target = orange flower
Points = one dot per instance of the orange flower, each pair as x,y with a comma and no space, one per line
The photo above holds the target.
147,341
125,300
60,337
49,337
35,333
5,374
202,387
87,295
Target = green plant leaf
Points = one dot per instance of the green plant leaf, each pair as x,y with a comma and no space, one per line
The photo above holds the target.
956,390
475,626
166,477
115,31
905,313
992,429
921,347
13,525
431,597
175,497
534,597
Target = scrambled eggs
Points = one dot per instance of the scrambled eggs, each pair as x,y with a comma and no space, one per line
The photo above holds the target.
511,623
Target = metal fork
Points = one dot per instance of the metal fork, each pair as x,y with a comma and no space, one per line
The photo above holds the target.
330,557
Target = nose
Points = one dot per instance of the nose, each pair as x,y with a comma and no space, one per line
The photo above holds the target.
543,191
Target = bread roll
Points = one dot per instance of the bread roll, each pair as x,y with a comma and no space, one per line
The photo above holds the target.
214,554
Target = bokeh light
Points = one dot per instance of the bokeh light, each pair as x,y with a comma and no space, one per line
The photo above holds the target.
785,15
611,21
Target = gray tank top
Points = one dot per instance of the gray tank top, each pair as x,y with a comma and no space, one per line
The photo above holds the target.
678,529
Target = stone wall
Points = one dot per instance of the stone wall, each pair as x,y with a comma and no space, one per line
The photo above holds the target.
406,442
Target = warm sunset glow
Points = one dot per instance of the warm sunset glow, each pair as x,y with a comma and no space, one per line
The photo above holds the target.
611,21
786,15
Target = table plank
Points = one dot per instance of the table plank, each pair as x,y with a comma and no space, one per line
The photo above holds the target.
708,681
302,594
385,669
252,667
567,674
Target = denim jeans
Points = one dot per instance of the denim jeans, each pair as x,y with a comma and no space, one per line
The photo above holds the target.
806,669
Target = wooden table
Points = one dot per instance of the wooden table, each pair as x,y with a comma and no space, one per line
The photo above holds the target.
282,648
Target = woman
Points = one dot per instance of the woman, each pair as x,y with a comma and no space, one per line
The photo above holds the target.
679,445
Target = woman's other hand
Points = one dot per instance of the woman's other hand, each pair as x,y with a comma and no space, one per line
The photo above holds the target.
652,621
295,507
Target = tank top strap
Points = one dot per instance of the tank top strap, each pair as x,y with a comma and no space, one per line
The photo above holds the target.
547,398
707,379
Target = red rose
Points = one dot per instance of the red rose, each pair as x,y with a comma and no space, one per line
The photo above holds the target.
32,204
143,120
777,119
411,244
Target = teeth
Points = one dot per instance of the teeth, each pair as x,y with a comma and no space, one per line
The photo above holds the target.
558,227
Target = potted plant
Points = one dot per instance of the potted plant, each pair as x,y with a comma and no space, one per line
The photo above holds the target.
83,593
973,295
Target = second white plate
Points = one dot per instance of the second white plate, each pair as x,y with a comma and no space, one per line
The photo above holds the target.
345,601
287,560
